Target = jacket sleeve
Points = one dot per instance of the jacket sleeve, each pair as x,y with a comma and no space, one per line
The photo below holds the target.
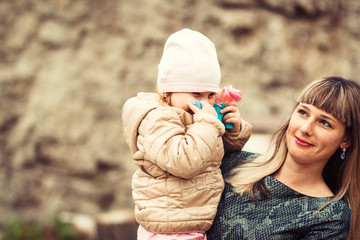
236,141
183,151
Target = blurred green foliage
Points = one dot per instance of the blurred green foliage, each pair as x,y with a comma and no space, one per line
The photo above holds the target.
64,230
19,230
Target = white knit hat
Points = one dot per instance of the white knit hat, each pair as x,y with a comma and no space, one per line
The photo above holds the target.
189,64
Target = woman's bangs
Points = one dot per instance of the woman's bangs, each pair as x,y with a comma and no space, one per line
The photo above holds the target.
327,97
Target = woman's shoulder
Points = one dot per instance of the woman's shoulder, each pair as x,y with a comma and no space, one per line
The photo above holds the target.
326,206
233,159
330,222
337,210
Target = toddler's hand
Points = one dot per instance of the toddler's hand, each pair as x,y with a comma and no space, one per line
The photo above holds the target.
232,116
206,108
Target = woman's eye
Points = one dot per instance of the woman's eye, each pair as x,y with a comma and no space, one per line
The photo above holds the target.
196,94
325,123
302,112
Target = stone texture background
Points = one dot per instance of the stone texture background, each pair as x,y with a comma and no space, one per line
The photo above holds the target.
66,68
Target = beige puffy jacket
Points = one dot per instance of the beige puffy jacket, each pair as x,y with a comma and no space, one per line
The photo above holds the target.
178,184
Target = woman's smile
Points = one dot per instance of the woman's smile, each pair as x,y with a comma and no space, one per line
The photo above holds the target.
302,142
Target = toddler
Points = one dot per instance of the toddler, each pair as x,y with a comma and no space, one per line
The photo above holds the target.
177,146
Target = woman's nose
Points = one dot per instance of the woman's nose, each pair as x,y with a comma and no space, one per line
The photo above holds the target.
307,127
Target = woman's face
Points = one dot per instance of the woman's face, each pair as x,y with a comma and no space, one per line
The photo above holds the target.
313,135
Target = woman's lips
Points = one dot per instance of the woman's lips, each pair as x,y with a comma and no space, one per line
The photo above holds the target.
302,143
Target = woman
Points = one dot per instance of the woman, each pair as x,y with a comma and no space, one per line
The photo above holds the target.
306,189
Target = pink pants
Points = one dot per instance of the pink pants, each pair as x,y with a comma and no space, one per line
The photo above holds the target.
144,234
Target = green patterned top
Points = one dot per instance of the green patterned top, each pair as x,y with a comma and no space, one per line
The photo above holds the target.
284,214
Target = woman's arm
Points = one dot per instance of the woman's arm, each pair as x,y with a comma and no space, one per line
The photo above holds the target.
233,159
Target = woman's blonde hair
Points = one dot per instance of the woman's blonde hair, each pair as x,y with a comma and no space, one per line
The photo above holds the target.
336,96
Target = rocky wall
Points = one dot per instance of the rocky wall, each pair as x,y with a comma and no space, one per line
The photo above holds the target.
66,68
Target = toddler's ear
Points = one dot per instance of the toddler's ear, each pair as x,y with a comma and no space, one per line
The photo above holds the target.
165,97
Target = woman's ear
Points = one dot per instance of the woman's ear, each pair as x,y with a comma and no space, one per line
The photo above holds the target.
345,143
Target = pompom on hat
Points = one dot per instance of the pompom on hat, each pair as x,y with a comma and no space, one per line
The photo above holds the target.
189,64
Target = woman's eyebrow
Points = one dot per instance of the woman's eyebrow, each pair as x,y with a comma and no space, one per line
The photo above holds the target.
327,118
321,115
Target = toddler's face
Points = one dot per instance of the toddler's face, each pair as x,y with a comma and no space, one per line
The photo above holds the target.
181,99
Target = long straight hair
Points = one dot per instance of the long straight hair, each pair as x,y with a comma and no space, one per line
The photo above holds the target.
336,96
